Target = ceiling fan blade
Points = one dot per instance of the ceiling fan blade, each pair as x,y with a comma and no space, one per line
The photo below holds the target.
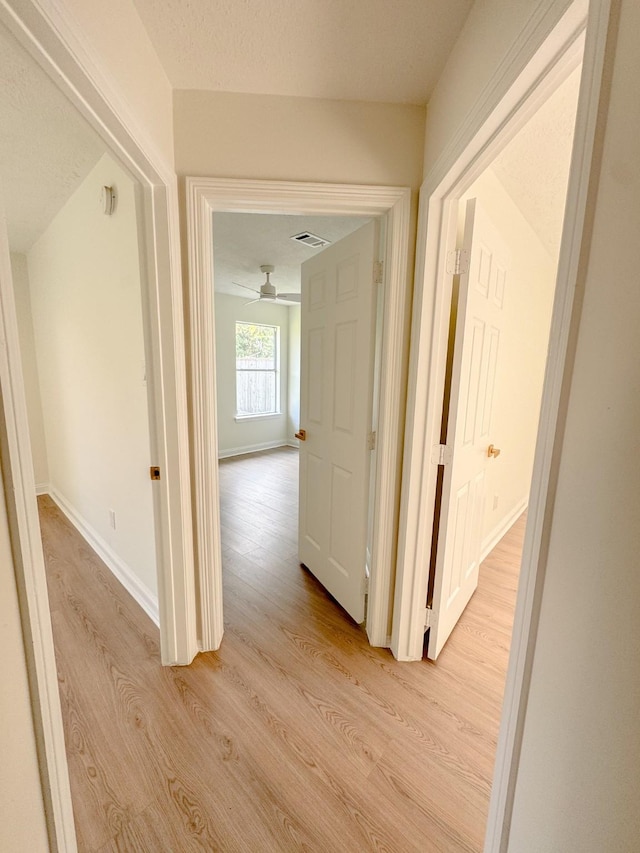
290,297
253,302
246,286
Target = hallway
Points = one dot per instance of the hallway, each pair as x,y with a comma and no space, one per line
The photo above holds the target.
296,735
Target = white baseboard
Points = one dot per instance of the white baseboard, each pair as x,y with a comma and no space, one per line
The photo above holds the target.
501,529
42,489
293,443
129,580
252,448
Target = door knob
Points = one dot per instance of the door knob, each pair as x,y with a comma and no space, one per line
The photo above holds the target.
301,434
494,451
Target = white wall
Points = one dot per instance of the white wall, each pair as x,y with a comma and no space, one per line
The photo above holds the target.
86,300
253,433
297,139
20,275
523,353
22,816
293,408
578,787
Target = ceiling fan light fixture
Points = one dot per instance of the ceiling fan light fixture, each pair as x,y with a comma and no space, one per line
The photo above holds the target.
267,291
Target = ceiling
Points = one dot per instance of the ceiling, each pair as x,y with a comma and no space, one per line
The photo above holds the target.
534,166
46,147
243,242
369,50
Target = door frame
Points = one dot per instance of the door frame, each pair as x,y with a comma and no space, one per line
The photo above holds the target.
205,196
53,40
542,57
50,35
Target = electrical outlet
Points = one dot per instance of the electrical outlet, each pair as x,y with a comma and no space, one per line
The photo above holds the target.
112,518
495,501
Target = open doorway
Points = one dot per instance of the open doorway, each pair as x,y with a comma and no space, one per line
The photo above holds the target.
77,262
206,197
77,420
296,330
509,229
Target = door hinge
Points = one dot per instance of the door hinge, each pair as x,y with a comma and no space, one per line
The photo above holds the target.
154,472
427,618
378,272
458,262
441,454
371,441
365,585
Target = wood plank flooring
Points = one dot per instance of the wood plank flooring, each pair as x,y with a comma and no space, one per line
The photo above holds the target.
295,735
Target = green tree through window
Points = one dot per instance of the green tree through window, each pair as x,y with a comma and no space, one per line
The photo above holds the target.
257,355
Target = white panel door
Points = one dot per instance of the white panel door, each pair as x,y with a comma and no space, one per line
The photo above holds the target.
479,324
335,413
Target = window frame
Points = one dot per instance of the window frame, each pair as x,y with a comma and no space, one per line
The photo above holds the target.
275,370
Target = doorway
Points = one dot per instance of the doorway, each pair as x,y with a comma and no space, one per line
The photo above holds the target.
75,234
521,89
508,239
276,332
208,196
41,110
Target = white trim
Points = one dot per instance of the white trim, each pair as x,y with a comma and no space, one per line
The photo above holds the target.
29,569
140,593
543,54
501,529
204,197
252,448
42,489
549,433
50,33
265,417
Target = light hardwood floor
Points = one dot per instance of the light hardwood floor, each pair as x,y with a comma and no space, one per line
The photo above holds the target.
296,735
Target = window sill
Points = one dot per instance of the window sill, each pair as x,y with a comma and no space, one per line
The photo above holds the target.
239,418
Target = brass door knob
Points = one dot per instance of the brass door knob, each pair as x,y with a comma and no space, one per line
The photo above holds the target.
301,434
494,451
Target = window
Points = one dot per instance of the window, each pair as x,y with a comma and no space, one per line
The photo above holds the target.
257,382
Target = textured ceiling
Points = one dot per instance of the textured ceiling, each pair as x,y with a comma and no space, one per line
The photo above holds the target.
242,242
370,50
534,167
46,147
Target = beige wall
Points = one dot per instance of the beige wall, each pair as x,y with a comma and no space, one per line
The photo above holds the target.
523,354
84,276
488,34
579,784
297,139
22,820
247,435
119,44
20,275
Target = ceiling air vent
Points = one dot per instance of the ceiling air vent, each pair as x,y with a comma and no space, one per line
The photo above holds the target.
311,240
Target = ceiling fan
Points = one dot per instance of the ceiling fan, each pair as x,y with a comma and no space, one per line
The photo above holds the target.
267,292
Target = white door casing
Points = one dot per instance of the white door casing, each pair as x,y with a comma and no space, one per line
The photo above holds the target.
538,62
51,35
335,412
481,296
20,492
208,195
